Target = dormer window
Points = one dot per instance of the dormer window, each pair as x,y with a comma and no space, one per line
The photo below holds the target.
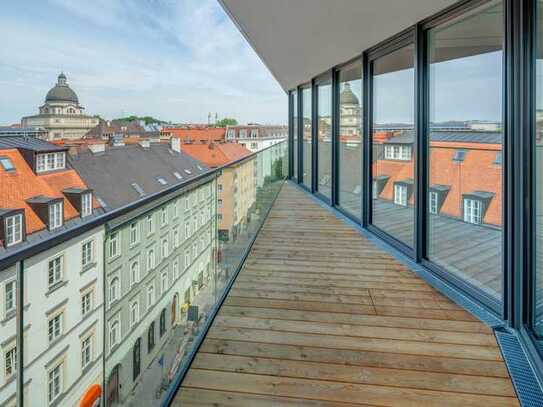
86,204
50,161
398,152
55,215
14,229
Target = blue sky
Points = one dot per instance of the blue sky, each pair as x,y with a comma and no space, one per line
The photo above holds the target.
173,59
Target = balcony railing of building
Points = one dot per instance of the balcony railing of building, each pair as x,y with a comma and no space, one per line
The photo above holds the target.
114,307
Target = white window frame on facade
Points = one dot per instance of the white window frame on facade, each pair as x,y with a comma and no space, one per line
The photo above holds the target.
219,203
397,152
175,269
86,302
164,282
163,216
187,230
55,382
56,212
87,253
10,295
14,229
187,258
87,351
134,273
50,161
400,194
473,211
165,248
114,336
55,326
432,202
134,313
174,210
151,259
150,295
86,204
134,233
150,225
175,238
10,360
114,289
115,245
55,270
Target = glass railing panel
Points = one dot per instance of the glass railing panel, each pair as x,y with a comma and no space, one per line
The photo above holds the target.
160,287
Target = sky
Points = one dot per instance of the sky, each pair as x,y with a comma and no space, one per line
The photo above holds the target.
175,60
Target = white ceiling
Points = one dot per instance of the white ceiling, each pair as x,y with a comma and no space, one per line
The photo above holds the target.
299,39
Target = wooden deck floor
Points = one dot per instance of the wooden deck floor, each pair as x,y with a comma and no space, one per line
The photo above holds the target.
321,317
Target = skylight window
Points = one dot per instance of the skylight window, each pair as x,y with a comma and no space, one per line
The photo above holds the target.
188,172
459,155
200,168
161,181
138,189
101,202
177,175
7,164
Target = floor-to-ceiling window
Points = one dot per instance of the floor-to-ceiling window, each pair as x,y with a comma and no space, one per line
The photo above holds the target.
538,169
306,136
393,142
465,157
350,138
324,136
295,135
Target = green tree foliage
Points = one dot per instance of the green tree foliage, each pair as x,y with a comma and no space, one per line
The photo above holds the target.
227,121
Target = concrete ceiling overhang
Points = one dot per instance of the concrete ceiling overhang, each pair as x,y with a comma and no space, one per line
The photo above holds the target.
299,39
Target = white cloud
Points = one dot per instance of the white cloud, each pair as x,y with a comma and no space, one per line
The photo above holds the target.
174,59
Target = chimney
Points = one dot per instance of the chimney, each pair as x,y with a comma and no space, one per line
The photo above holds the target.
97,148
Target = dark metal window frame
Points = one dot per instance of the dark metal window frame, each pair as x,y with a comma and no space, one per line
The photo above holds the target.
336,144
323,79
403,39
518,180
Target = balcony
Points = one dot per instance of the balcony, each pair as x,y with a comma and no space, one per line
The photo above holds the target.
321,315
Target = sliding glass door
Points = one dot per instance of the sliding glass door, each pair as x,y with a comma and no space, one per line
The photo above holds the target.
323,88
350,139
306,136
393,141
465,147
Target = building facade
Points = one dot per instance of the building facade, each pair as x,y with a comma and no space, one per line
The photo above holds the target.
256,137
62,297
61,115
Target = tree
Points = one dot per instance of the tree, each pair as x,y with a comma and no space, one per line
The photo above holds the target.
227,121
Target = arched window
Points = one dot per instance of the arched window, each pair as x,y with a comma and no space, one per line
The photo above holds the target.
114,334
151,337
114,288
164,248
150,259
162,322
135,272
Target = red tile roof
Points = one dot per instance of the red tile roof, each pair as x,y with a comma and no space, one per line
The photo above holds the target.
207,135
215,155
19,185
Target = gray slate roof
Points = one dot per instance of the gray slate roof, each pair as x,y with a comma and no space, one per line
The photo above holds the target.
111,173
484,137
28,143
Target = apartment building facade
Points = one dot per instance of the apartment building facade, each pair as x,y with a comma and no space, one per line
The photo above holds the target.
236,186
62,301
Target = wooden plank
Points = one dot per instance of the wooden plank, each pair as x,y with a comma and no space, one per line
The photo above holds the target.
347,342
355,319
188,397
351,357
331,328
355,374
337,391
